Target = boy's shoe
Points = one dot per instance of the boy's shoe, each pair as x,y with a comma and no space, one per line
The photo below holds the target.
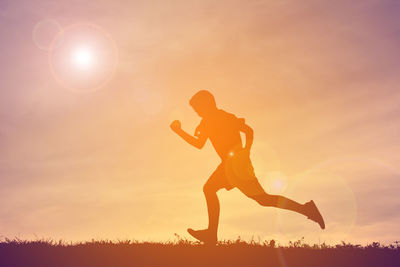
313,214
204,236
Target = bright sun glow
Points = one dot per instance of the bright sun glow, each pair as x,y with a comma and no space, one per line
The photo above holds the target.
83,58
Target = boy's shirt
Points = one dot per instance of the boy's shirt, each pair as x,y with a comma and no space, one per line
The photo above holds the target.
223,130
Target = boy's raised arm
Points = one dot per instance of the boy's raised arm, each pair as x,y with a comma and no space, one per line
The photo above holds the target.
194,141
249,136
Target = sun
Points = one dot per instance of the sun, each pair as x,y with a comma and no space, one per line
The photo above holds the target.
83,58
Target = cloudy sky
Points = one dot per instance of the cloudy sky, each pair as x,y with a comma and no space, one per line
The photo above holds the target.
85,147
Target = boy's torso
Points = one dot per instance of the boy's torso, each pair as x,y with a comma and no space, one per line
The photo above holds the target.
223,130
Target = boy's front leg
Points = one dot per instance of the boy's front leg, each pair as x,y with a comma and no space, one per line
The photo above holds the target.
203,236
209,235
213,209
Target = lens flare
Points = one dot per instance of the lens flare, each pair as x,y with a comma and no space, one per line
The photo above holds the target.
329,190
44,33
277,182
83,58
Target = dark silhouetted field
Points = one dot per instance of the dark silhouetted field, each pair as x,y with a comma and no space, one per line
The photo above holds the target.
184,253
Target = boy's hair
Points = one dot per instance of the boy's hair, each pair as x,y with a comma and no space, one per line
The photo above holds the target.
203,98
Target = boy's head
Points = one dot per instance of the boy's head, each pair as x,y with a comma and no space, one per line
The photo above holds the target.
203,102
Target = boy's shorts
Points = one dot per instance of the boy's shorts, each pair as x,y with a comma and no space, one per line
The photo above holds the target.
237,171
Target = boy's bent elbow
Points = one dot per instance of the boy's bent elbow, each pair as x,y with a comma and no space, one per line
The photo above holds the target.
246,129
199,146
249,131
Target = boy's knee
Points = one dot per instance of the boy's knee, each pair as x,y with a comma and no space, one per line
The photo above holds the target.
265,199
208,188
259,199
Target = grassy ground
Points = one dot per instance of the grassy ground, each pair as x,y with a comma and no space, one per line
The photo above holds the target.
185,253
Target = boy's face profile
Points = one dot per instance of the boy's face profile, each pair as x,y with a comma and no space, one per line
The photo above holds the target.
199,111
203,103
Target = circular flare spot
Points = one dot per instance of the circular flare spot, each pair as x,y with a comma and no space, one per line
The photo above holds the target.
44,33
277,182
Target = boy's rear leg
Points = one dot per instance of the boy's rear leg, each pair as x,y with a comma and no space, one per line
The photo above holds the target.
314,214
255,191
278,201
309,209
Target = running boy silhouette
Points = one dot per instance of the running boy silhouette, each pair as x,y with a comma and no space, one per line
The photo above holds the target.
235,170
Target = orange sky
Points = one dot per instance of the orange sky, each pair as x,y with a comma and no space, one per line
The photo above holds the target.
316,81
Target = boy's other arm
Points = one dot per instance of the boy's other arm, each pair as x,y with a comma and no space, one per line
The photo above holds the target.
194,141
248,131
